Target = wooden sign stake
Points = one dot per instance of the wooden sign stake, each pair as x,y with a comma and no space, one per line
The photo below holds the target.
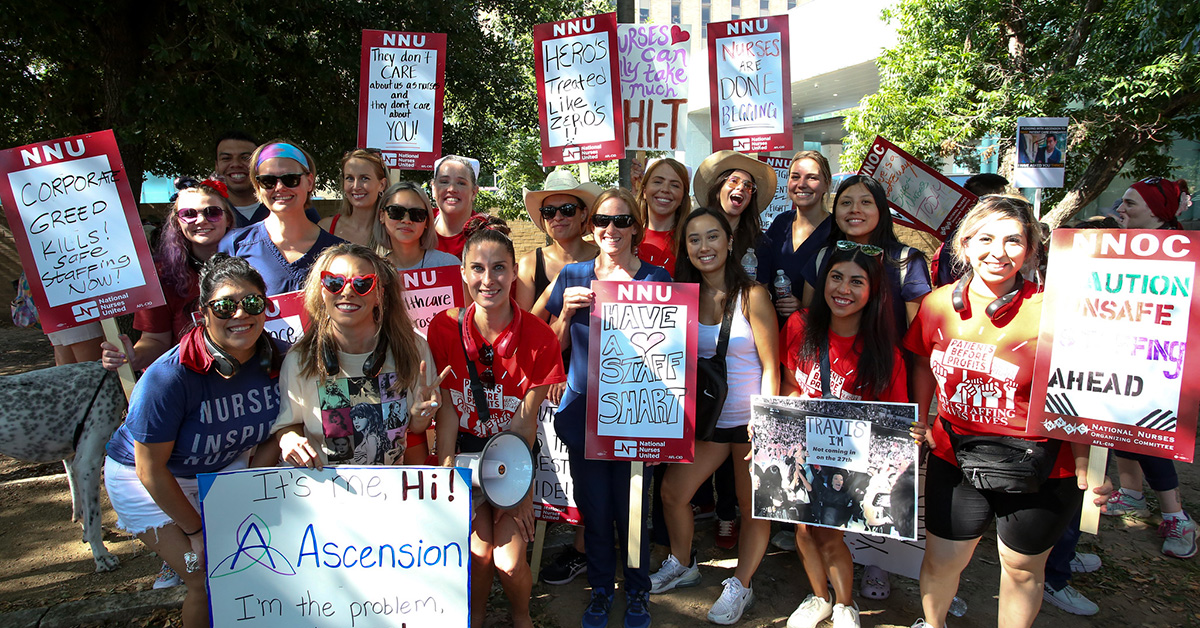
112,333
635,514
1089,519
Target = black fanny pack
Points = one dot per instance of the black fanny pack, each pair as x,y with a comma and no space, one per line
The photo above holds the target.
1005,464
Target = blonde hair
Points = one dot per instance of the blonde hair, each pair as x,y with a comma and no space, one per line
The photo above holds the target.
381,172
392,316
995,207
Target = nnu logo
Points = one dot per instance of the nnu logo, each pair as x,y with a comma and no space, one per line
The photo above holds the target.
85,311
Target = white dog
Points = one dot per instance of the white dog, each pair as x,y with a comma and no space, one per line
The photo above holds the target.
66,413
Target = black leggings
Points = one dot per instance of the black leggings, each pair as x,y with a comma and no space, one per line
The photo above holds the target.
1028,523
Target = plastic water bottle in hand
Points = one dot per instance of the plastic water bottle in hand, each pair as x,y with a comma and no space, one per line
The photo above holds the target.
750,263
783,285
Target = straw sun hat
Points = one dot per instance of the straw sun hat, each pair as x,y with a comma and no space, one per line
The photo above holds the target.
559,182
711,168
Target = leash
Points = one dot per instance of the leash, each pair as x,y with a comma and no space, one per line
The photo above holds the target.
83,421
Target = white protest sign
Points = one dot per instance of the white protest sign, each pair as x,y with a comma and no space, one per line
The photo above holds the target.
896,556
654,84
553,488
780,202
362,547
401,91
838,442
750,89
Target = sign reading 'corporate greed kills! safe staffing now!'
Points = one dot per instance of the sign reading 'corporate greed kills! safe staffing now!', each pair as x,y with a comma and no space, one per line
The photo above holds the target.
77,230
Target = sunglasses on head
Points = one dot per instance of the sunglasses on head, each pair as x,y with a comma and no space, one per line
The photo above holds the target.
290,180
193,214
738,182
486,356
224,309
868,249
415,214
566,209
621,221
192,183
362,284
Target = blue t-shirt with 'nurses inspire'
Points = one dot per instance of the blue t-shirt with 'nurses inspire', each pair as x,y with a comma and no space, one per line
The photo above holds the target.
212,420
254,244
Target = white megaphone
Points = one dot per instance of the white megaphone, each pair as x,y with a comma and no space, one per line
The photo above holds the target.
502,471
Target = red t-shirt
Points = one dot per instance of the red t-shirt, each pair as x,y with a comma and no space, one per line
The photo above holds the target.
536,361
843,360
174,317
658,249
453,244
984,368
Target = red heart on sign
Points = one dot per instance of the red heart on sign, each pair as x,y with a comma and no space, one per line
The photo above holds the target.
678,35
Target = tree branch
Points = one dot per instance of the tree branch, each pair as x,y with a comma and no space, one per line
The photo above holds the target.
1073,45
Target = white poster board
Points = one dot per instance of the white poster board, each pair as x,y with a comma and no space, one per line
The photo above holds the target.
368,547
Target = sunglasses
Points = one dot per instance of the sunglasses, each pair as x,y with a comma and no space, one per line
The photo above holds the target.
486,356
738,182
192,214
869,249
290,180
362,284
251,304
415,214
621,221
566,209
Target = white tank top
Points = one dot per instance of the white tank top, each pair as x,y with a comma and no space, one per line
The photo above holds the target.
742,367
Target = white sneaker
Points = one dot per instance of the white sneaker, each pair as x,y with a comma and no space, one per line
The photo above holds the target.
812,611
733,601
1085,563
845,616
167,578
785,540
1070,600
673,574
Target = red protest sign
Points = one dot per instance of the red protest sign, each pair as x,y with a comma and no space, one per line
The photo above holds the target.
750,84
286,317
429,292
931,201
77,230
579,91
642,363
654,85
780,202
1111,363
401,88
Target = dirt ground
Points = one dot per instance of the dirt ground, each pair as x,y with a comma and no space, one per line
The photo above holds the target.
43,561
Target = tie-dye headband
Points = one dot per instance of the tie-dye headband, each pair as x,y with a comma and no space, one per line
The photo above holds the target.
281,149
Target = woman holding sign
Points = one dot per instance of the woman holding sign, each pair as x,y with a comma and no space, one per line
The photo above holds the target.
742,187
284,246
974,343
364,176
153,458
200,216
601,487
358,366
510,358
752,368
665,201
843,346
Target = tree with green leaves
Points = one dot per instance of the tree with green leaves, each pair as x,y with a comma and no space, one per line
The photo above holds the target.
169,75
1126,73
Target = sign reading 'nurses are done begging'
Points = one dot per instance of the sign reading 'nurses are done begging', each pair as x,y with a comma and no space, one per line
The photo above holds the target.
1112,364
750,85
641,371
77,230
579,91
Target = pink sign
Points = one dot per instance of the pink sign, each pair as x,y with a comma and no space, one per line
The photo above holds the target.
1112,367
750,85
654,85
921,194
77,230
401,88
579,91
429,292
642,353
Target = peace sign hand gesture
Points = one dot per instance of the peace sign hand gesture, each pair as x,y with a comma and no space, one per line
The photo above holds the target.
427,399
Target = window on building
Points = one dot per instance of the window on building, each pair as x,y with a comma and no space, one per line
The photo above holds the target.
705,16
791,4
675,11
764,7
735,10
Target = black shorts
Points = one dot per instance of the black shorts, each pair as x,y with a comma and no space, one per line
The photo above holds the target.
1028,523
734,435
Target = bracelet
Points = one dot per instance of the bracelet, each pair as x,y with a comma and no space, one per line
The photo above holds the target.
198,530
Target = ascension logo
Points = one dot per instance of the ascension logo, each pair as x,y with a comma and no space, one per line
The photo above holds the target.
1064,426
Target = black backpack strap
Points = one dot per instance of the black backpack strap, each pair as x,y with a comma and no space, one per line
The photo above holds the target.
824,366
723,339
480,397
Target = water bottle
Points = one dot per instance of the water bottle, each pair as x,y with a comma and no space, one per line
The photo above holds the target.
750,263
783,285
958,607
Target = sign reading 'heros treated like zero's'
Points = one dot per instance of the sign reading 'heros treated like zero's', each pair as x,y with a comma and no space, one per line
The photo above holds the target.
77,230
750,85
654,84
1112,367
579,92
642,365
401,89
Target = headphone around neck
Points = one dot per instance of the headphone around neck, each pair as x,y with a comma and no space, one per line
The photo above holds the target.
227,366
996,309
371,366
